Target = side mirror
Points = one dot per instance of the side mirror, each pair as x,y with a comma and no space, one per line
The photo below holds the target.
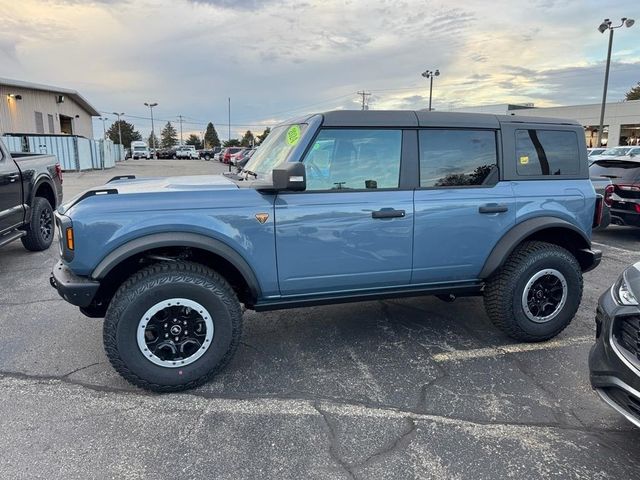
290,176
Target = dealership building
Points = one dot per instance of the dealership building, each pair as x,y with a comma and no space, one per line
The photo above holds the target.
31,109
621,119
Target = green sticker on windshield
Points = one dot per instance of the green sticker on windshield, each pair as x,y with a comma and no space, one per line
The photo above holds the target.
293,135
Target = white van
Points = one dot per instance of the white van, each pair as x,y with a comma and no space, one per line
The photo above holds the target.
140,149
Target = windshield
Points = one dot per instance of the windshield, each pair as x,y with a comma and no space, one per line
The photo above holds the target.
615,152
275,149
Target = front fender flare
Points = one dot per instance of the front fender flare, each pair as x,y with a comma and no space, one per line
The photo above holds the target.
518,233
178,239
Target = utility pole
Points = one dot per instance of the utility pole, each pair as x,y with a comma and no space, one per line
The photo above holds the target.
364,98
104,128
180,120
119,130
153,134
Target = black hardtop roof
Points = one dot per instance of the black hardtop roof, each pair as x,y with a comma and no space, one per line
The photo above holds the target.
422,118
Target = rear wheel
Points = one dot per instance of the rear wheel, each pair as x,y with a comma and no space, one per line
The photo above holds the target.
172,326
41,227
536,294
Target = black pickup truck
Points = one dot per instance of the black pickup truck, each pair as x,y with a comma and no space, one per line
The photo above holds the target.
30,190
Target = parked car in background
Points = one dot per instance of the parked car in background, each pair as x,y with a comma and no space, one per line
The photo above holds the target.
227,152
127,153
139,149
624,173
167,152
218,156
614,360
611,152
186,151
30,191
595,151
241,159
209,153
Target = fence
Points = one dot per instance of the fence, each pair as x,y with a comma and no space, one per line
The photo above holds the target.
73,153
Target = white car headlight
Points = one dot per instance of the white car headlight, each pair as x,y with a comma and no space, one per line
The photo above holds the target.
625,295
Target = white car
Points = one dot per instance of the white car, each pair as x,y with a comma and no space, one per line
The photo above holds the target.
140,150
187,151
613,152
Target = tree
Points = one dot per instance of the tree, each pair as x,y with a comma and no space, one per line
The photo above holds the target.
128,131
264,135
169,136
211,138
234,142
153,141
195,141
248,140
634,93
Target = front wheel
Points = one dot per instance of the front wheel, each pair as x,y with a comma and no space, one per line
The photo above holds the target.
172,326
41,227
536,293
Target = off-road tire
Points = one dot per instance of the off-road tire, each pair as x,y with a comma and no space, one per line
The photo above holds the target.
168,280
504,289
36,240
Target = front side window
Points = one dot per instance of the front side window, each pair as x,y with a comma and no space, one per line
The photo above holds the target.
547,152
359,159
457,158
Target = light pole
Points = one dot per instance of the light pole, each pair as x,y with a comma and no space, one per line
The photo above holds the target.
104,129
430,74
119,130
153,135
604,26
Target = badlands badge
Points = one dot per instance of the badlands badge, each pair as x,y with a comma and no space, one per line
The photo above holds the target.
262,217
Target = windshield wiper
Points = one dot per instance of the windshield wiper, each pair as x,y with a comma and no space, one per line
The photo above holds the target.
249,172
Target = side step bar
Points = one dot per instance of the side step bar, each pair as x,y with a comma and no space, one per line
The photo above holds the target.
10,237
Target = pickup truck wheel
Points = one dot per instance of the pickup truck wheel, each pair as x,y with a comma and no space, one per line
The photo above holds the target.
172,326
41,227
536,294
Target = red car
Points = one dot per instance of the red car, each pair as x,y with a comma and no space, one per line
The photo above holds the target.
228,152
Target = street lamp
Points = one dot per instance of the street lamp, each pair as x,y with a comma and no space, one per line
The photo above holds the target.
119,130
430,74
104,129
604,26
153,136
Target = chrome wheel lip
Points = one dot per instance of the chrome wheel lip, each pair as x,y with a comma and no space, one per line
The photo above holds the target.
172,302
559,306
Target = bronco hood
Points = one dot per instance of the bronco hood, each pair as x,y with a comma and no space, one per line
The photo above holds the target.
129,184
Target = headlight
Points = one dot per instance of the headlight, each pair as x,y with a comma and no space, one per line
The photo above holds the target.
624,293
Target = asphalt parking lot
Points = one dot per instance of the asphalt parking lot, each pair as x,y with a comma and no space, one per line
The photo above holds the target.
411,388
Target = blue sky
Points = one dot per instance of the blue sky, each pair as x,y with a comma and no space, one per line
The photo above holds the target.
277,59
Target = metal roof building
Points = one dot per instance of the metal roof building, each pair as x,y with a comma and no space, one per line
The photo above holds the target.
32,108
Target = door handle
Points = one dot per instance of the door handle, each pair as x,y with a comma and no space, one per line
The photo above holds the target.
13,178
493,208
387,213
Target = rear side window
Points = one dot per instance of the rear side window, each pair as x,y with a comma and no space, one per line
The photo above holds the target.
455,158
547,152
619,171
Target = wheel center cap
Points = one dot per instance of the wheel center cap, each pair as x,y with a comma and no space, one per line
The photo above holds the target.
176,330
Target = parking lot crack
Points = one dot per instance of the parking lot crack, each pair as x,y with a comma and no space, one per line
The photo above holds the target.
400,443
333,440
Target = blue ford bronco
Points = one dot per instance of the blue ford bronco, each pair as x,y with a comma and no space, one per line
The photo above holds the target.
335,207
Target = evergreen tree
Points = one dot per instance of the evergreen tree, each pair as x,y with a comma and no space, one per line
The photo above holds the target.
634,93
264,135
248,140
234,142
211,138
128,131
169,136
194,140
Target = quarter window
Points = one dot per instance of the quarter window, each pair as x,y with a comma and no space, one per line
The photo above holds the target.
354,159
547,152
457,158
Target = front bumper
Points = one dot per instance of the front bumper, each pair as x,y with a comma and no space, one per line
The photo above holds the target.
79,291
615,370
